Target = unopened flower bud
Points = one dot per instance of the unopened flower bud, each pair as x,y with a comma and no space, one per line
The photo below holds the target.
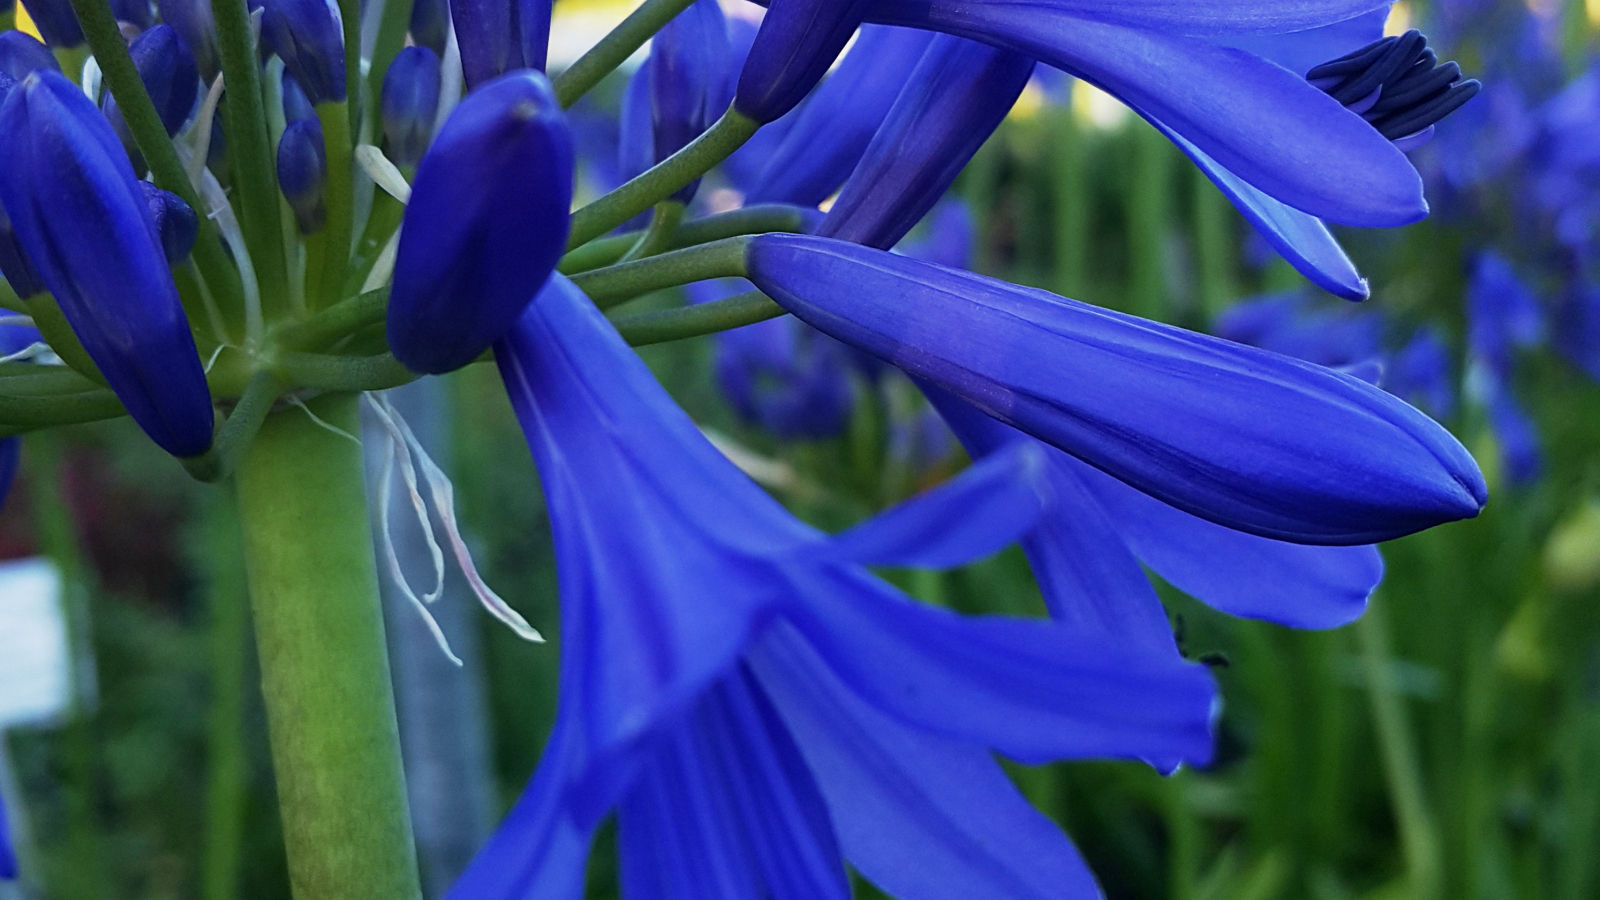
197,28
497,36
798,41
133,12
21,54
688,63
487,222
430,24
308,35
84,223
410,100
56,21
303,174
168,72
295,104
176,224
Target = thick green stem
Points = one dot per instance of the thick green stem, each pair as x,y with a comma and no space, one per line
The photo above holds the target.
122,79
337,321
326,372
324,666
219,556
334,239
234,438
615,48
616,284
693,321
255,170
1147,222
1072,213
704,152
658,237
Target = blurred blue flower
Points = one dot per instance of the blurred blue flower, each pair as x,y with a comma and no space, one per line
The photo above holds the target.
1248,439
1422,373
303,174
410,101
1295,324
193,21
811,714
1503,316
430,24
486,224
500,36
85,225
21,54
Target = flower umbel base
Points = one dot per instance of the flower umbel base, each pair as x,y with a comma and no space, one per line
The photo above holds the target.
324,665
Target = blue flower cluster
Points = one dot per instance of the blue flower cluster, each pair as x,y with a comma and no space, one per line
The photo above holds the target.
752,705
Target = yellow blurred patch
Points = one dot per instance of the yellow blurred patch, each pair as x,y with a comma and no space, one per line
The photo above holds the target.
1592,7
25,22
1399,21
1029,104
1096,108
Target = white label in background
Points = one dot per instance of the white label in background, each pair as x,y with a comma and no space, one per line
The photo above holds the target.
35,684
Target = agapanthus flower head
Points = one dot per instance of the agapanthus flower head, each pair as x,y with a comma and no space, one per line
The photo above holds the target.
83,222
956,97
21,54
798,41
486,224
688,70
168,73
303,174
176,224
57,23
1245,438
410,101
813,714
193,21
832,128
308,35
499,36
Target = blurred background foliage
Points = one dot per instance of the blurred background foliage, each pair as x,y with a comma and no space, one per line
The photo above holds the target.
1447,745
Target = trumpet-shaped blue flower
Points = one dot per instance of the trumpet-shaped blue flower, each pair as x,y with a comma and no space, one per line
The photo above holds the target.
1248,439
956,97
832,128
498,36
83,222
193,21
303,174
308,35
410,100
754,707
57,23
21,54
486,224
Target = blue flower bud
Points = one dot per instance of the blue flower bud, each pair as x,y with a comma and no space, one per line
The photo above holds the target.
487,222
308,35
410,100
133,12
168,71
21,54
303,174
82,219
688,68
957,96
430,24
1242,437
497,36
295,105
798,41
56,21
197,28
176,224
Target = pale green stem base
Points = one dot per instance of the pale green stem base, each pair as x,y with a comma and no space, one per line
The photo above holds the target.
324,665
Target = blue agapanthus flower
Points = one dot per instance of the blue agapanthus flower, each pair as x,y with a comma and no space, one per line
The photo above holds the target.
753,706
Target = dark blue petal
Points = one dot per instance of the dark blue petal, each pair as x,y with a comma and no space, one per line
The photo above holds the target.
922,817
193,21
1301,49
487,221
176,223
430,24
1242,437
726,807
21,54
168,72
303,174
956,98
499,36
979,512
1240,574
798,41
82,219
410,101
688,67
1217,17
832,128
57,23
1268,126
134,12
308,37
1031,690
